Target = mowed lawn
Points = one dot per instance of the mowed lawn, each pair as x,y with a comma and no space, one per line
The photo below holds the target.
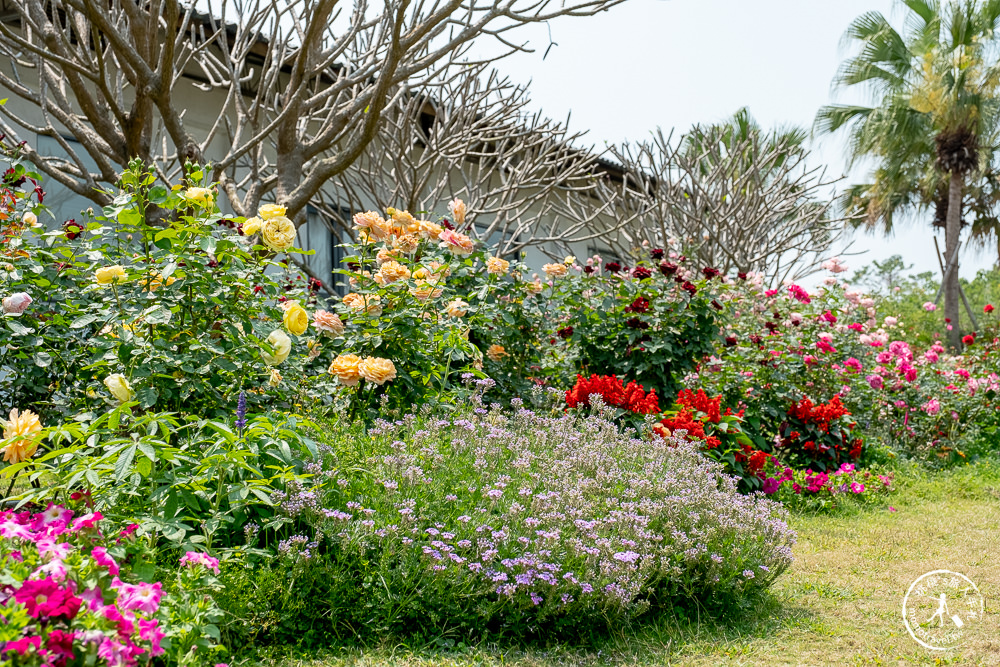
840,604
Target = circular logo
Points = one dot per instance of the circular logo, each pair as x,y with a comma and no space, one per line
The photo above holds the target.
940,608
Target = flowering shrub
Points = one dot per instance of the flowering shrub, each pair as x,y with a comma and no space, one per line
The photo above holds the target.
650,323
158,299
818,435
507,522
64,601
808,489
781,347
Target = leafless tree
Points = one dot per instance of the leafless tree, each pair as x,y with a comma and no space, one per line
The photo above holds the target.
525,179
300,85
739,198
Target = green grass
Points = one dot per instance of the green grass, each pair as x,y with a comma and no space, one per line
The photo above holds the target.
840,604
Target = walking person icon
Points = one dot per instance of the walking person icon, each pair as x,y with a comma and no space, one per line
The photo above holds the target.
941,612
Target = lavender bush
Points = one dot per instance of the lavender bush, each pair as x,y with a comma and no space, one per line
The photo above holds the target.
515,519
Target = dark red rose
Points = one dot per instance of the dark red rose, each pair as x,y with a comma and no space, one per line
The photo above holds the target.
613,267
656,253
565,333
641,273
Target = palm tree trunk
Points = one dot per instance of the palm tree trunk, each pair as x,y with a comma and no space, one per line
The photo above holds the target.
952,230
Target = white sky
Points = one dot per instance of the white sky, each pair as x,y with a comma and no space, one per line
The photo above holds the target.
674,63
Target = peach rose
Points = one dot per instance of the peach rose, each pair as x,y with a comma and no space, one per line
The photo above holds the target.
496,352
497,266
429,230
367,220
406,243
328,322
425,290
364,303
555,270
392,271
457,308
458,210
345,367
377,370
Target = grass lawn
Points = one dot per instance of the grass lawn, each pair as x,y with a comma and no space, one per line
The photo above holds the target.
840,604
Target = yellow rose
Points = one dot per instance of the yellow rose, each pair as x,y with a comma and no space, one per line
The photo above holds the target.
281,347
457,308
22,426
278,233
570,260
200,196
497,266
296,318
29,219
119,387
377,370
555,270
107,275
251,226
269,211
275,378
496,352
156,280
345,367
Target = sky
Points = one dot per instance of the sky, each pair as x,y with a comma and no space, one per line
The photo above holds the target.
674,63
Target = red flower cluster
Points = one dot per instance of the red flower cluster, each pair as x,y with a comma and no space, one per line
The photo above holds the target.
632,397
819,414
700,402
685,421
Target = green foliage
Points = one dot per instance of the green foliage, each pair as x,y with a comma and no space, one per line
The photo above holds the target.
192,482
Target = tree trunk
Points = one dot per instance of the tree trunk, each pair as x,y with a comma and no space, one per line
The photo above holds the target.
952,230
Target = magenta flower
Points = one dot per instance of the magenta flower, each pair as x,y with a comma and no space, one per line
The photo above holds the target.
22,646
770,486
44,598
857,487
875,381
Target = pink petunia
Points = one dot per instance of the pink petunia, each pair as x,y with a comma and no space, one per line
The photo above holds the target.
141,597
192,558
103,559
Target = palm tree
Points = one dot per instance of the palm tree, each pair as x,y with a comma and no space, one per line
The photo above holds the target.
934,116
